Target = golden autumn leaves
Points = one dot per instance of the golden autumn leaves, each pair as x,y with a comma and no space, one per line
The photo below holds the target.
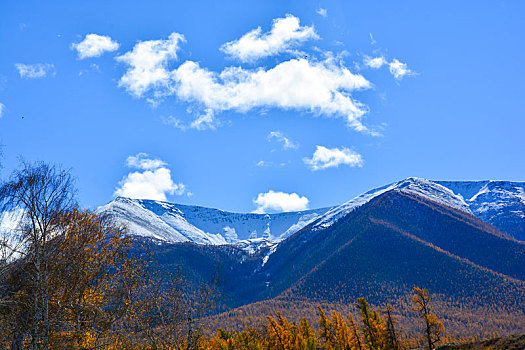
375,332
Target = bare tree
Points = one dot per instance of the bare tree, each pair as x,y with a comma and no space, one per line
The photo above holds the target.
40,193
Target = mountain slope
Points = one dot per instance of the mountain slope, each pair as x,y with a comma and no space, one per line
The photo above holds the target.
387,253
410,223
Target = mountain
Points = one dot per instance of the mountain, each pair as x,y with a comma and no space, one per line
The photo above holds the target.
458,239
500,203
174,223
422,187
380,249
393,242
283,249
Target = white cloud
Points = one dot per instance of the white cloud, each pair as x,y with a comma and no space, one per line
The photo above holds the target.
154,180
285,33
175,122
280,201
149,185
11,221
94,45
323,87
35,71
376,62
372,40
322,12
279,137
2,109
205,121
267,164
318,87
399,69
148,63
11,241
324,158
141,161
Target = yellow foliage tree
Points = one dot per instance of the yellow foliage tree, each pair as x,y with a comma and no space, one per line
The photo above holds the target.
433,327
373,327
283,335
92,279
308,334
336,334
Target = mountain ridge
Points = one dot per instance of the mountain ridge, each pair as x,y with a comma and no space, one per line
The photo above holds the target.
173,223
500,203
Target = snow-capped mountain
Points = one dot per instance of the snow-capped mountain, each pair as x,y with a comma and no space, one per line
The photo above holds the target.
501,203
182,223
421,187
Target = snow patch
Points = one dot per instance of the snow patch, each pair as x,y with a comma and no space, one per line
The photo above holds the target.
230,235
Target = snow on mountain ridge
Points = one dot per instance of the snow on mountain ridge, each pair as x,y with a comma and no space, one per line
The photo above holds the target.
418,186
501,203
142,221
471,190
182,223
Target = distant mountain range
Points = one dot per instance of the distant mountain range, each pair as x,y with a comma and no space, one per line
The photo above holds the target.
463,241
500,203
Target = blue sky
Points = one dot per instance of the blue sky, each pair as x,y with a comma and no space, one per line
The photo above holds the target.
257,105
